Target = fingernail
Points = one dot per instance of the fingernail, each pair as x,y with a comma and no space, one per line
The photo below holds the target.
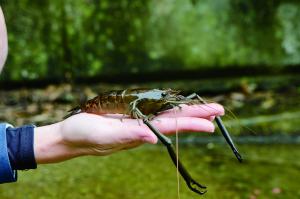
149,139
212,129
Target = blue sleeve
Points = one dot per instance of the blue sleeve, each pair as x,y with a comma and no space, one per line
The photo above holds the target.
7,174
20,147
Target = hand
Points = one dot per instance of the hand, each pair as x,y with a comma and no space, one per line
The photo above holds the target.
89,134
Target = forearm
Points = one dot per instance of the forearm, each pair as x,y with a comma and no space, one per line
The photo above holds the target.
3,40
49,146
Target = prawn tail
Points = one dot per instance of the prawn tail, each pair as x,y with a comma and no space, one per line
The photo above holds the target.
73,111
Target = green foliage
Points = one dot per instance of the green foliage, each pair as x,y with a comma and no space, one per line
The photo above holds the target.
63,39
222,33
66,39
289,15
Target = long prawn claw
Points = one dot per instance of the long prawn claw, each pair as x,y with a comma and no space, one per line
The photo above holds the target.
223,129
196,187
228,139
191,183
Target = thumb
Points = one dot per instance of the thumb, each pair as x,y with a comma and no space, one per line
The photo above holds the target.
143,133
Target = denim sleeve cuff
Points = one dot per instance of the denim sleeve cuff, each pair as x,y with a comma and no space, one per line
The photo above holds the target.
20,147
7,174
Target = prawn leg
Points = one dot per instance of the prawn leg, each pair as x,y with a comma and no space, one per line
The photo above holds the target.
222,127
191,183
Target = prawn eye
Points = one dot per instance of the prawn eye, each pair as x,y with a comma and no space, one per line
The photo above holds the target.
164,94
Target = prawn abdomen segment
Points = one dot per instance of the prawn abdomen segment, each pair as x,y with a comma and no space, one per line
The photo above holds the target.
148,101
125,101
112,102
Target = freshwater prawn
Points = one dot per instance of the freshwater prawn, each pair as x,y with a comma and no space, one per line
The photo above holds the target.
145,104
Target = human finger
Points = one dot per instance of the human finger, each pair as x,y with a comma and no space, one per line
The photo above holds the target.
138,131
197,110
183,124
116,116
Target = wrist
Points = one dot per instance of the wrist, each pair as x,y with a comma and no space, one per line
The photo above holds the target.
50,147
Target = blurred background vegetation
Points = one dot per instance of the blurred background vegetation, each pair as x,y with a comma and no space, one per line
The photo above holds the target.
242,54
67,39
